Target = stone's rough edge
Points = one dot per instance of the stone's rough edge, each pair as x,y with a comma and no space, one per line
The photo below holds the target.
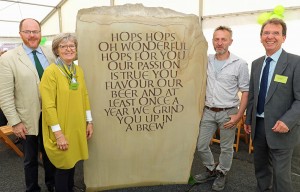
133,10
134,185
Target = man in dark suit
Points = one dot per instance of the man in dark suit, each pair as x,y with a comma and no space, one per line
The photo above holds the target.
273,116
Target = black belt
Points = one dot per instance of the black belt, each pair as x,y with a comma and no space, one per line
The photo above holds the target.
216,109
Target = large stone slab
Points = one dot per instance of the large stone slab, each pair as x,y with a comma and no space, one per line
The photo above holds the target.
145,70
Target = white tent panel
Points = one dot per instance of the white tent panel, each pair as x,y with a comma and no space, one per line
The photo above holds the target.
11,29
12,12
68,14
51,27
16,12
246,30
217,7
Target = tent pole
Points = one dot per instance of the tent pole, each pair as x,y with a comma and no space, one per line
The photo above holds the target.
200,12
112,2
58,9
59,19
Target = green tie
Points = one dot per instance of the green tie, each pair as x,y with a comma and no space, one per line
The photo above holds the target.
38,65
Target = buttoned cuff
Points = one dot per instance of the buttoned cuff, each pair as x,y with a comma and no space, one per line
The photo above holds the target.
55,128
89,115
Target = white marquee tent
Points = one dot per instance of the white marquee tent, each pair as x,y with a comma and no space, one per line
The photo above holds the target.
241,15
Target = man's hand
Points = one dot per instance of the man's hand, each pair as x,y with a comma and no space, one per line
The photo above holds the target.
280,127
234,119
20,130
247,128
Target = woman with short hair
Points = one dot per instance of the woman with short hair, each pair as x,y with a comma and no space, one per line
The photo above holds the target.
67,119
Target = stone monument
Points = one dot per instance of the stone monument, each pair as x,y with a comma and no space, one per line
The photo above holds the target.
145,69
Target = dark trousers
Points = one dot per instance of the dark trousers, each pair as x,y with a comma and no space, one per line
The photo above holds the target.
272,166
3,120
31,147
296,168
64,180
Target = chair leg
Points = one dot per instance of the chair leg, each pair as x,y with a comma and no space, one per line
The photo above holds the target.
9,143
246,138
238,138
214,138
235,145
250,146
240,126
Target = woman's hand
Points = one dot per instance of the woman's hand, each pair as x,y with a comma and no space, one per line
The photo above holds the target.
61,141
89,130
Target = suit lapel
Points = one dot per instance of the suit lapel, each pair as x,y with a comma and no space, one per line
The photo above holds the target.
23,57
279,69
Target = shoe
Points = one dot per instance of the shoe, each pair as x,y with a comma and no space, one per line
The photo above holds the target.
219,183
206,176
51,189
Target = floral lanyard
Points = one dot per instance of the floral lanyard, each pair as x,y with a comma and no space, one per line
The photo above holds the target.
69,72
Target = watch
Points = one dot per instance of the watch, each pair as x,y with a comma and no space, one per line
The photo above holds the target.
89,122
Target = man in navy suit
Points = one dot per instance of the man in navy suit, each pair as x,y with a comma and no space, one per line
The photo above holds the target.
274,121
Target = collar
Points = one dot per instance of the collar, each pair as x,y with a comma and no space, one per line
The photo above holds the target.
232,58
29,50
276,55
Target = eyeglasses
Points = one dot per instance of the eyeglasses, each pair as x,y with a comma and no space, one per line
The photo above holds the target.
65,47
267,33
28,32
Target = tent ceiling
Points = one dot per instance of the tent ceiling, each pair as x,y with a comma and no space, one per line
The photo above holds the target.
60,15
12,12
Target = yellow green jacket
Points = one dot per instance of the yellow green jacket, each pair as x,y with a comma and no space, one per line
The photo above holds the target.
66,107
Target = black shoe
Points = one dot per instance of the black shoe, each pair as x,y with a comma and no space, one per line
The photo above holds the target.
219,183
206,176
51,189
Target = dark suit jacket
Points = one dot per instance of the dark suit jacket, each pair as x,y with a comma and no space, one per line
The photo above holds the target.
282,101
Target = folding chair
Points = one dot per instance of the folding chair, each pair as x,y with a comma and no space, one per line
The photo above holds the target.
4,132
251,148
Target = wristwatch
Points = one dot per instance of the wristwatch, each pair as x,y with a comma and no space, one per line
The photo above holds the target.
89,122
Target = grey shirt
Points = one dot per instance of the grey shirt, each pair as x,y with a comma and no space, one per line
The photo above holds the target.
223,87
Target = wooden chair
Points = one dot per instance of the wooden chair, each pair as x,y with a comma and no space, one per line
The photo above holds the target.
240,126
4,132
250,146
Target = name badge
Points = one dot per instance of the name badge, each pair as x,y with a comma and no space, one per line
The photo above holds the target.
74,86
280,78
